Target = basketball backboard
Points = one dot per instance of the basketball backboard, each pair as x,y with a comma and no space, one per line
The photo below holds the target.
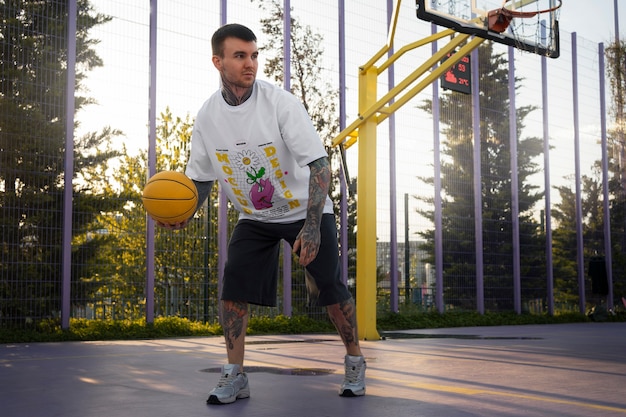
533,27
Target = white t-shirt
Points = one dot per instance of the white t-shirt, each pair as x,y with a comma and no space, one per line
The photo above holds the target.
258,152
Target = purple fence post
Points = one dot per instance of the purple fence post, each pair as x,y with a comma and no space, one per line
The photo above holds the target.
222,213
66,285
517,286
580,257
343,236
478,213
151,161
547,186
393,216
437,185
608,255
287,278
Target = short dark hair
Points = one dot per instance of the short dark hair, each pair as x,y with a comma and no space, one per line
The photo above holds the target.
232,30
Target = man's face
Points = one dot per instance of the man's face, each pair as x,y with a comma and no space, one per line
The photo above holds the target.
239,64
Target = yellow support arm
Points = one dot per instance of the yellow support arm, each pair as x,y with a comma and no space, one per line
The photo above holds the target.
373,111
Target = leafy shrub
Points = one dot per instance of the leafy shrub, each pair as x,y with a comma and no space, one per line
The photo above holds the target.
164,327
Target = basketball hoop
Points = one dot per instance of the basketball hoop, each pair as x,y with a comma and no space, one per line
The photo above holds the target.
499,19
528,25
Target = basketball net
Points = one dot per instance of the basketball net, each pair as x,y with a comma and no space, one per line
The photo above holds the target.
499,20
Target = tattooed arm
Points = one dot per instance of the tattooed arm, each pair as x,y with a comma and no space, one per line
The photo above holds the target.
308,240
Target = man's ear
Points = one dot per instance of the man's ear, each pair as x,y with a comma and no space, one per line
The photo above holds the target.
217,62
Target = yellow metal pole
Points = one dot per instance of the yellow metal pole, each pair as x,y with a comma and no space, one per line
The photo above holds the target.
373,111
366,211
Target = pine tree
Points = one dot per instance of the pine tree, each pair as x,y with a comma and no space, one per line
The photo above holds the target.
565,239
33,77
457,183
616,69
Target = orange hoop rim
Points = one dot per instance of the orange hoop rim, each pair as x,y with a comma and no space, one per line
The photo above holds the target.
515,13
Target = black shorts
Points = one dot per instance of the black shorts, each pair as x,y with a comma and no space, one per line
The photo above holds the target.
251,271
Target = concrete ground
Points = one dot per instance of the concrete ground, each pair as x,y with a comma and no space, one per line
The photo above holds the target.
540,370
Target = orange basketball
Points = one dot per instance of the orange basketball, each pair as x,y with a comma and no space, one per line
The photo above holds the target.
170,197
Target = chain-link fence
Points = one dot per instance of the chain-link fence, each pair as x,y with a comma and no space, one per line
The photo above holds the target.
104,134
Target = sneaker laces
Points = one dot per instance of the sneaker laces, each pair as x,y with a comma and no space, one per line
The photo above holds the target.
225,379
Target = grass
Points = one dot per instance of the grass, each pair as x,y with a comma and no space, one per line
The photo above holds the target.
165,327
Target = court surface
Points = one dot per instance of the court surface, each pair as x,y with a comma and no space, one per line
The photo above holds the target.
546,370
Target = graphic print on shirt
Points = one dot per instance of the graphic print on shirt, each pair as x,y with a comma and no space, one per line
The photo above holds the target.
253,176
262,189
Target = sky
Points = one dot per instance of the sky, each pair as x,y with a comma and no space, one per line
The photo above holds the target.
593,19
186,76
574,17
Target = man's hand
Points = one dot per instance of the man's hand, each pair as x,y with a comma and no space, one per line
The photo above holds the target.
172,226
307,244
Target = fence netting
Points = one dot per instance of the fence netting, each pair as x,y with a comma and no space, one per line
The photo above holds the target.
110,164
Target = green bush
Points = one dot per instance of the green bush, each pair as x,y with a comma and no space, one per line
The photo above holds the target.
164,327
288,325
83,329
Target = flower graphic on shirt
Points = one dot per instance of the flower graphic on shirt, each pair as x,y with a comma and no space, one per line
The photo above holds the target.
262,189
244,160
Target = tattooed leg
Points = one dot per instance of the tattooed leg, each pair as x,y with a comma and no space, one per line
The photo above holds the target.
343,316
235,323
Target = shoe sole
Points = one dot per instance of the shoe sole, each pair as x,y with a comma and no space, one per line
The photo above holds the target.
213,399
349,393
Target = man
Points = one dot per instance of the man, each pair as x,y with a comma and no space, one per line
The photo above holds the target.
258,141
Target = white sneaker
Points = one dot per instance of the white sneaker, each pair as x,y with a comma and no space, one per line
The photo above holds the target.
354,382
231,386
